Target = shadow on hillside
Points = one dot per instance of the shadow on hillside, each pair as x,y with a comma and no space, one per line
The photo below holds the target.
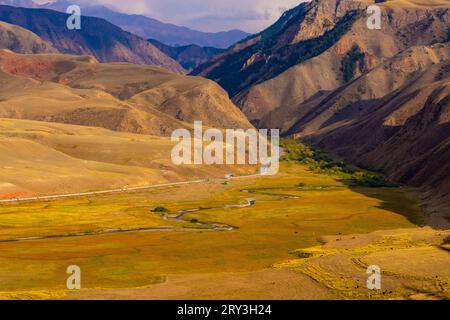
399,200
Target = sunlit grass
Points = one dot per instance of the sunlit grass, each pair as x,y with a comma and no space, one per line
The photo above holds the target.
267,232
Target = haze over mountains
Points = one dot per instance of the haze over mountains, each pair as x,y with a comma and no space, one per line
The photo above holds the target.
145,27
190,57
97,37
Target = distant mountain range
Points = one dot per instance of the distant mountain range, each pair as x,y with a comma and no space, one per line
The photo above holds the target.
190,56
97,37
145,27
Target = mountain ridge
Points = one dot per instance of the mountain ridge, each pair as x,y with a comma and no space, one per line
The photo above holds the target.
146,27
190,56
97,37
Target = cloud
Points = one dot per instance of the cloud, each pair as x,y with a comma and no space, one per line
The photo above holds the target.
208,15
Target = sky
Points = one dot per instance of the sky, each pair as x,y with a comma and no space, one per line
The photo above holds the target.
207,15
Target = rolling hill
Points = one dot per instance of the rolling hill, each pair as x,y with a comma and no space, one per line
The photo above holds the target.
44,158
119,96
21,40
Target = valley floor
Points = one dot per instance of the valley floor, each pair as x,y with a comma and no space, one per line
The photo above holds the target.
307,236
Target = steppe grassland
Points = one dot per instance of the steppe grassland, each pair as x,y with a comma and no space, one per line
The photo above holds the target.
268,232
40,158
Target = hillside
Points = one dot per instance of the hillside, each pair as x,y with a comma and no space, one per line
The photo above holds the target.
190,57
303,53
97,37
119,96
20,40
80,158
377,97
399,127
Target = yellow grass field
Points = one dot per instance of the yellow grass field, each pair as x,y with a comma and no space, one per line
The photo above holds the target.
310,242
47,158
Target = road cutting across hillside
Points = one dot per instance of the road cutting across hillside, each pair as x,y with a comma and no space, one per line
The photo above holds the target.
119,190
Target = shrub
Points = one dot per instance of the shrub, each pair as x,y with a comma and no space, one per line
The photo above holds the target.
319,161
353,58
160,210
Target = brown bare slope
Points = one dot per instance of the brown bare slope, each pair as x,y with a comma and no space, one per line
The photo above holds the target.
378,97
394,119
306,51
21,40
119,96
97,37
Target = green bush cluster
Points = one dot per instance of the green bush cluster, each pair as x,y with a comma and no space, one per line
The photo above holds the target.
350,62
322,162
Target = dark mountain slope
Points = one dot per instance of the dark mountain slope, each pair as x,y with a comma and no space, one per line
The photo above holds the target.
21,40
144,26
402,131
97,37
190,56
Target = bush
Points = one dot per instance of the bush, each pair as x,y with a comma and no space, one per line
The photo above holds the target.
371,180
355,57
160,210
319,161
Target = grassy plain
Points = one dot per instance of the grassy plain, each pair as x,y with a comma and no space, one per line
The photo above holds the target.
259,259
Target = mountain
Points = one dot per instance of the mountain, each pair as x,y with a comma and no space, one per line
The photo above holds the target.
21,40
377,97
303,53
190,56
97,37
170,34
146,27
120,96
394,119
20,3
